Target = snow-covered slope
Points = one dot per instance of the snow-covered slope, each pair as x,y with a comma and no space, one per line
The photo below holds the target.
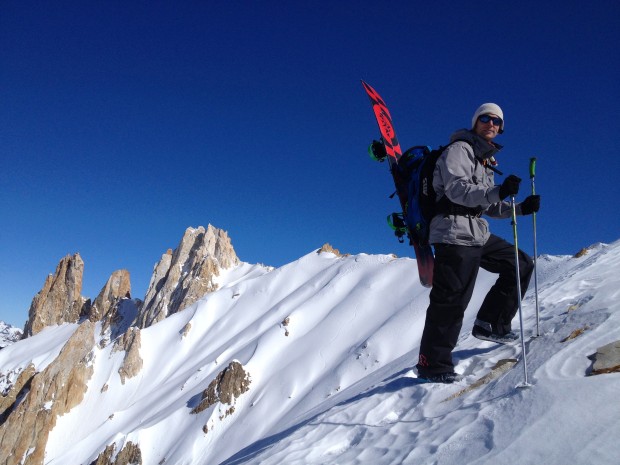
329,343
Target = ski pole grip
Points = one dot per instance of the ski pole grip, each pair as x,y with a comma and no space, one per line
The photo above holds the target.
532,167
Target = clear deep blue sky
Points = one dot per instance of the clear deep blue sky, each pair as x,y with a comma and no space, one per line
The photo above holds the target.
125,122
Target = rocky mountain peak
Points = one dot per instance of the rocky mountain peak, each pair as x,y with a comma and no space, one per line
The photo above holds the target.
60,300
117,288
180,278
184,275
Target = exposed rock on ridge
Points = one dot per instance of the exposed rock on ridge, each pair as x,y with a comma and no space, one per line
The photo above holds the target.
32,402
606,359
227,386
15,390
132,363
129,454
118,320
187,274
179,279
60,300
117,288
51,393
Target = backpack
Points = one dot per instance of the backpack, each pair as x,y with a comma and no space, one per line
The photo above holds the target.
414,180
416,166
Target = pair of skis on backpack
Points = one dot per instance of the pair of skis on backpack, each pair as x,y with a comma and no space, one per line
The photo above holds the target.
409,222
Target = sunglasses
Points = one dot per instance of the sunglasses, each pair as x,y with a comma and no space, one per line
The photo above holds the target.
496,120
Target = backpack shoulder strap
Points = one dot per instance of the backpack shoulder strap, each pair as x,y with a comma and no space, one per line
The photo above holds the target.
476,157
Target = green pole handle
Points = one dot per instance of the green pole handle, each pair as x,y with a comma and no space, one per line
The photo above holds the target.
532,167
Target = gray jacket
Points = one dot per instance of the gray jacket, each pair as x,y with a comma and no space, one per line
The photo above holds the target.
461,176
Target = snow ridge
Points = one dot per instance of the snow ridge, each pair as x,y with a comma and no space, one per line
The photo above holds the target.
328,344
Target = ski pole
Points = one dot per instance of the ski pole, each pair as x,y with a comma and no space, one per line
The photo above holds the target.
532,176
514,232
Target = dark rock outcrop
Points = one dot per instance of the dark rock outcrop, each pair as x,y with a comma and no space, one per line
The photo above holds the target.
130,454
228,385
606,359
132,363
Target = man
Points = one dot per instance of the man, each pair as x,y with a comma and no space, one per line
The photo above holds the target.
465,189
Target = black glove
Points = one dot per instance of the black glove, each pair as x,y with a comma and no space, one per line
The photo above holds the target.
510,186
530,205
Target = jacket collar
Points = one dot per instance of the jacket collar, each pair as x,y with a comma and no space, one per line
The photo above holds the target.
483,149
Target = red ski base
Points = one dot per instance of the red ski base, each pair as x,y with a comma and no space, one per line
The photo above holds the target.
426,263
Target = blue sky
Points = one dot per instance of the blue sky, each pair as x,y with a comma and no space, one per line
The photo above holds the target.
124,123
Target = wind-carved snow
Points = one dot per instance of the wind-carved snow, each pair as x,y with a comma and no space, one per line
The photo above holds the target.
335,384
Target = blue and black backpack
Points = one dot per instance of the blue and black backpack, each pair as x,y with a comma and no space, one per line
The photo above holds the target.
416,167
413,176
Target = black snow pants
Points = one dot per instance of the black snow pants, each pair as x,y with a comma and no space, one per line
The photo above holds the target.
456,269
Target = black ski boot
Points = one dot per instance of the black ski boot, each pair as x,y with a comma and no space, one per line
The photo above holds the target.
483,331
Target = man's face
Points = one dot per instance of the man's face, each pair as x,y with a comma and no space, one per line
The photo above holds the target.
487,126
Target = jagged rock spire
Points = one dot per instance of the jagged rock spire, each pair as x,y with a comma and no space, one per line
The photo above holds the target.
182,277
117,288
60,300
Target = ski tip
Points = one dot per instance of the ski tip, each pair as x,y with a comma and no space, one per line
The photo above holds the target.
369,89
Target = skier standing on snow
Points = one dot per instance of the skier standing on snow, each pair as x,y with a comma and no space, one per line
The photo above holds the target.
465,190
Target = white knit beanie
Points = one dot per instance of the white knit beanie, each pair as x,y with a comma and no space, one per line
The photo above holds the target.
488,108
